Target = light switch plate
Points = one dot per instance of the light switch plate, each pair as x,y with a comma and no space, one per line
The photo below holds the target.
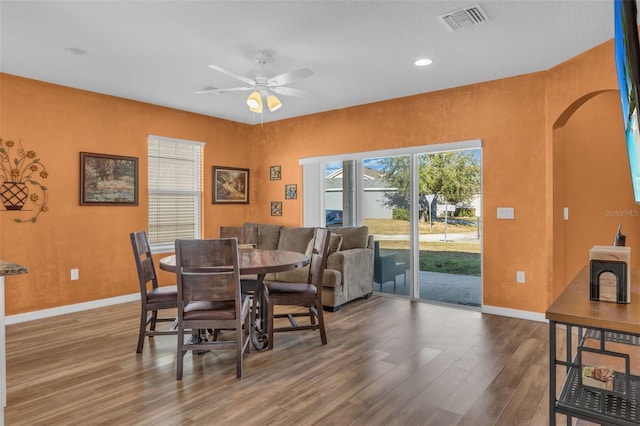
520,277
505,213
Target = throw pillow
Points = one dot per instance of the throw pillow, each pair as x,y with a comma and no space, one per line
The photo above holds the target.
309,249
335,242
353,237
295,239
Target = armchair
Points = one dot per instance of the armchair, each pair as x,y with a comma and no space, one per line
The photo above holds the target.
385,267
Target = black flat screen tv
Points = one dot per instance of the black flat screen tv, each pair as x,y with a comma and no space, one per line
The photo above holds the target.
627,51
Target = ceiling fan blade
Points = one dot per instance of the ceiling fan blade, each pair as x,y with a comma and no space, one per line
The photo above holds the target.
233,74
288,91
210,90
288,77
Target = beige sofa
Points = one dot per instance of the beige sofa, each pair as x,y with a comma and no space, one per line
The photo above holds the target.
349,273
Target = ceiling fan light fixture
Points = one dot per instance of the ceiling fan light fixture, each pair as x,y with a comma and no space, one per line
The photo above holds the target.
254,101
273,103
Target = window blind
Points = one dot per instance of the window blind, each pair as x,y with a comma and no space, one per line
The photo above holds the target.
175,191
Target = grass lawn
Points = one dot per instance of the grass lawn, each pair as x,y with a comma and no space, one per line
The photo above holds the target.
461,258
395,227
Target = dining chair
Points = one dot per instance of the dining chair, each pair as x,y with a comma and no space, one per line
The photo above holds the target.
307,295
247,236
152,297
209,297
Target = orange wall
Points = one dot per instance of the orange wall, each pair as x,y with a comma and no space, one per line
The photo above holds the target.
58,123
590,153
513,162
514,117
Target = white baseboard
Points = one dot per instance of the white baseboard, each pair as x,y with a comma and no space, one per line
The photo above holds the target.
61,310
514,313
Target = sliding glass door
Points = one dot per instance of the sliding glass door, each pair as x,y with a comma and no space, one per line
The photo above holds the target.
386,209
448,202
422,204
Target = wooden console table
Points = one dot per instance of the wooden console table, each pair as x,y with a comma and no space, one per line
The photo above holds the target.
601,329
6,268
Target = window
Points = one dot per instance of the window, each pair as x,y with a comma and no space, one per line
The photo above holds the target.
175,191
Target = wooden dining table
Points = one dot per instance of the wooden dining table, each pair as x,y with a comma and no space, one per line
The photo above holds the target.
256,262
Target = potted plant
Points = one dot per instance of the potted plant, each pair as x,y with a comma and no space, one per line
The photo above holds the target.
19,169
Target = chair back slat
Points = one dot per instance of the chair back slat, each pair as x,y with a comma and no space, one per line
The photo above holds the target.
318,261
209,286
144,261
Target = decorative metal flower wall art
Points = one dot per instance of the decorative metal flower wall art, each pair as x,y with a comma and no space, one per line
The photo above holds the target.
20,173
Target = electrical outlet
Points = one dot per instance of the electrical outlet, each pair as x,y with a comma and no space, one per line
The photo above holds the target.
520,277
74,274
566,213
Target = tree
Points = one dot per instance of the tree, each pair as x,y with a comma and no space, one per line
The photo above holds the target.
452,177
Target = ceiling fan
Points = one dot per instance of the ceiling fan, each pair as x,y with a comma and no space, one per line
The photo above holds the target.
262,83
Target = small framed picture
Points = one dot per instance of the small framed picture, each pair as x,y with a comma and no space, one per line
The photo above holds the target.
275,173
230,185
290,191
276,208
108,180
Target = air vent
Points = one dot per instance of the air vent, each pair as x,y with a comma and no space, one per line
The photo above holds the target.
461,18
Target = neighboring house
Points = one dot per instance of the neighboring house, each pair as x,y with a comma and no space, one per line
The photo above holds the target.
375,188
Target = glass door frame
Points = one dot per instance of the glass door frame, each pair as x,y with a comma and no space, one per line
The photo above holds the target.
313,184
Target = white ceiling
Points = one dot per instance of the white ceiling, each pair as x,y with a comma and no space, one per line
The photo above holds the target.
360,51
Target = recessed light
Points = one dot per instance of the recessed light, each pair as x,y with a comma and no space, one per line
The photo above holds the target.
422,62
76,51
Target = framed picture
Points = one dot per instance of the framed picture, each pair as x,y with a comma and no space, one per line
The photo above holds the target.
276,208
290,191
275,173
108,180
230,185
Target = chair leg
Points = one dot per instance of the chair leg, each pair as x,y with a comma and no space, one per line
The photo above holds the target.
269,321
323,333
179,355
246,343
154,319
143,329
239,351
312,315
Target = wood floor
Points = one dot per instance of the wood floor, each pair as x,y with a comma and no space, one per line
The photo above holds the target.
388,362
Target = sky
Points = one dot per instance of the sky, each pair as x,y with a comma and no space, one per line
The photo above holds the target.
371,163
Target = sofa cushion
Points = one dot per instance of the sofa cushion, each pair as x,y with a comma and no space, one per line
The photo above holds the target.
268,235
353,237
330,278
295,239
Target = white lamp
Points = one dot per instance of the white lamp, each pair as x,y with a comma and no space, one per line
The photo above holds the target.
254,102
273,103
